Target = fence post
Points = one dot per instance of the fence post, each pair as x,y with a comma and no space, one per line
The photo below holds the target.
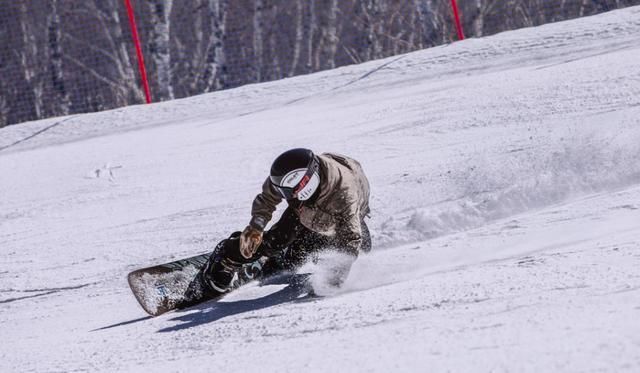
456,16
136,42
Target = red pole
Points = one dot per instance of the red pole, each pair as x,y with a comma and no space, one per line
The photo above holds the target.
136,42
456,16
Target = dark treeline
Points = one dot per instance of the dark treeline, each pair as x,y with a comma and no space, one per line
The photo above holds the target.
60,57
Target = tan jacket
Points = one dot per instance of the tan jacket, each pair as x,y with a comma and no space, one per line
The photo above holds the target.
338,210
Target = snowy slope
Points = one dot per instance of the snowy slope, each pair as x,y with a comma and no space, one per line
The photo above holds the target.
506,216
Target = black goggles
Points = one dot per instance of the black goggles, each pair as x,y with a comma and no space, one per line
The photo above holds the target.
290,193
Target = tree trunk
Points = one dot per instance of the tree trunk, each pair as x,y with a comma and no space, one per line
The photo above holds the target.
61,102
258,38
132,90
297,45
325,56
4,109
29,61
311,20
161,47
214,75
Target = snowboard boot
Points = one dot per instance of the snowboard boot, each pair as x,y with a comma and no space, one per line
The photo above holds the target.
197,292
273,266
227,268
221,274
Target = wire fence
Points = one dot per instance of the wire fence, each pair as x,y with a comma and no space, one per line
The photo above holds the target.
60,57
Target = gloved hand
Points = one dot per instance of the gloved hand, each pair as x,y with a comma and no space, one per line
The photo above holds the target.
250,239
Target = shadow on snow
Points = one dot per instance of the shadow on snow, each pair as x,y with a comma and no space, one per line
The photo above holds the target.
296,291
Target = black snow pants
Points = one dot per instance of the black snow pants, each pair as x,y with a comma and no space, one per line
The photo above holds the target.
287,245
291,243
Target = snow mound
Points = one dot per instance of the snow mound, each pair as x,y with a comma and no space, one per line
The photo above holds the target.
521,181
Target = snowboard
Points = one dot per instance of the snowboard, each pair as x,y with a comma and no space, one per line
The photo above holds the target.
178,284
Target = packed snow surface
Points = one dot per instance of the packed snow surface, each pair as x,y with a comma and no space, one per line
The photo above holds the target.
505,176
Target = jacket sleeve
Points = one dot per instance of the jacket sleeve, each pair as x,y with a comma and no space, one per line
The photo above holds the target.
264,205
349,229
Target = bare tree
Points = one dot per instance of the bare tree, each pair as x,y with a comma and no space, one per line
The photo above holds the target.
30,59
311,20
258,40
372,24
299,37
425,22
213,72
4,109
160,48
478,15
115,76
63,56
325,54
60,97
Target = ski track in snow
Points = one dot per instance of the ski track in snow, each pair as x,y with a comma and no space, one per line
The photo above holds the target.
505,216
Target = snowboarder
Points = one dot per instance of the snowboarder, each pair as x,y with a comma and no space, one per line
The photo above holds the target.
328,199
